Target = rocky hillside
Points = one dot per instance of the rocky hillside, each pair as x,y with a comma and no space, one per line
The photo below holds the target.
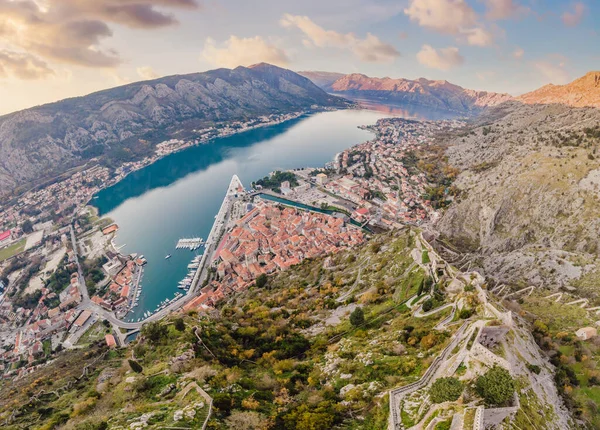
317,347
48,139
582,92
530,188
423,92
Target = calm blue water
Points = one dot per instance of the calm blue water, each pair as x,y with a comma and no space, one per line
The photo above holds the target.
179,195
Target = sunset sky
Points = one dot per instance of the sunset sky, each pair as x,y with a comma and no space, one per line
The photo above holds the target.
54,49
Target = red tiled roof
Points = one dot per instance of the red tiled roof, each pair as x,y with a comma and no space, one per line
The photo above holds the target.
110,340
4,235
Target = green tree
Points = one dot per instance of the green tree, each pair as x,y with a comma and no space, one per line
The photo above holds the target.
357,317
179,324
154,331
465,313
496,387
427,305
445,390
261,281
27,227
135,366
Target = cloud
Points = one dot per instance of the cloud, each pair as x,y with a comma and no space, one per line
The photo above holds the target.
147,73
72,31
370,49
519,53
453,17
572,19
442,59
243,51
551,72
478,37
22,66
503,9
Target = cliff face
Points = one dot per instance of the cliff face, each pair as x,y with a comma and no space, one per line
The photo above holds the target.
48,139
441,95
582,92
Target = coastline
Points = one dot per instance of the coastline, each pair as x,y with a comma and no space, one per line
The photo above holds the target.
157,157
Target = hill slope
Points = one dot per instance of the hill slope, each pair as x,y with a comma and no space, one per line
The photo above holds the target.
529,203
434,94
582,92
53,137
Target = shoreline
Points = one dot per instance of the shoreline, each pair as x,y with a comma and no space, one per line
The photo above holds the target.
187,146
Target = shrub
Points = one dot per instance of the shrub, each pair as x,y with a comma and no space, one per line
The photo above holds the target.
496,386
534,368
261,280
445,390
135,366
179,324
357,317
465,313
427,305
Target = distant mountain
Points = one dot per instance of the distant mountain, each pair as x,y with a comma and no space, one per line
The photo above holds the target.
126,121
434,94
323,79
583,92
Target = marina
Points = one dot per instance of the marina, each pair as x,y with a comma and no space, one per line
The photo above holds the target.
191,244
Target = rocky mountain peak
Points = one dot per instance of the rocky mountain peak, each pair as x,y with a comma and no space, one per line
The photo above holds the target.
582,92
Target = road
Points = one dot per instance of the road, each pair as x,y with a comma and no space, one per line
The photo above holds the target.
397,394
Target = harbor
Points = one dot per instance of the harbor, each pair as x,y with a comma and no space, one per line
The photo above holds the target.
191,244
197,267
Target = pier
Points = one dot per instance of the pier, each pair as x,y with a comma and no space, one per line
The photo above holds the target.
212,241
191,244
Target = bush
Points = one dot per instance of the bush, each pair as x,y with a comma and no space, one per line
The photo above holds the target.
445,390
135,366
261,281
179,324
496,386
465,313
427,305
357,317
534,368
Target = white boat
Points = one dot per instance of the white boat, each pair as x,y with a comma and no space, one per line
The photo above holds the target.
167,256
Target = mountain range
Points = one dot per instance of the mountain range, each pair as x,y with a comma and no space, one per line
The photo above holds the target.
47,140
441,95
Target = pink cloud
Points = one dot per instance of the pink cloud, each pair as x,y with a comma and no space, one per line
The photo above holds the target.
571,19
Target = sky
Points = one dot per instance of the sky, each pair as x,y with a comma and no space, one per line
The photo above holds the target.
55,49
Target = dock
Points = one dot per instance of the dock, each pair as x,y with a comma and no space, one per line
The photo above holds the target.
192,244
